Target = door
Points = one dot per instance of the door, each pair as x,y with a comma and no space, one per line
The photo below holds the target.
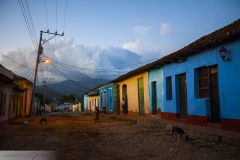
182,96
117,99
154,98
110,107
214,96
141,96
104,101
125,97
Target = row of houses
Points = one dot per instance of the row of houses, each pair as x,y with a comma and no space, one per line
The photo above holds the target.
15,95
198,84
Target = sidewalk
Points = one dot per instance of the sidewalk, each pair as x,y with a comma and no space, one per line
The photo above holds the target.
190,129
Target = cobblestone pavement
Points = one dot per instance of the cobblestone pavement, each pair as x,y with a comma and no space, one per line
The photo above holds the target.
77,136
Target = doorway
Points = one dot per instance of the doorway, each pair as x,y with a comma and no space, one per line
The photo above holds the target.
117,99
154,97
140,96
214,95
125,97
182,96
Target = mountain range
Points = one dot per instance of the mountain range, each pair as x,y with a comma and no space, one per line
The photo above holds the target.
68,87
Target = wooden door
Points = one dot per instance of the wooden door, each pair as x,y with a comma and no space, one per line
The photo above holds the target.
214,96
154,98
141,96
182,96
116,99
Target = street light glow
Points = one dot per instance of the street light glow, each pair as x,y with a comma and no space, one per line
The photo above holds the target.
47,61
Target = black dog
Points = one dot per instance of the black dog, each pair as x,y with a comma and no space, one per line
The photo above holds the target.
43,121
179,131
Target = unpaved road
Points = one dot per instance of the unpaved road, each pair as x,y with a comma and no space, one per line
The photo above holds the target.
77,136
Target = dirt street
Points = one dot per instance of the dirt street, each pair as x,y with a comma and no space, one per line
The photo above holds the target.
77,136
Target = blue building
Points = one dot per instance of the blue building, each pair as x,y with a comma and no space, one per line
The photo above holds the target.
85,101
107,98
202,80
155,84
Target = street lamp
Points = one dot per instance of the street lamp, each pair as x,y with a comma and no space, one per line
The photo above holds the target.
224,54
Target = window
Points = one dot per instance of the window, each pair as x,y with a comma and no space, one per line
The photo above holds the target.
203,82
169,88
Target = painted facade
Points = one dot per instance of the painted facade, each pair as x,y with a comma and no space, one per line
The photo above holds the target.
6,79
155,87
93,102
85,100
106,94
199,110
129,88
15,95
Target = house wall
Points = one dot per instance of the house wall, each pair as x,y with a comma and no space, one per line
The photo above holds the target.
156,75
228,85
132,92
109,97
5,89
93,101
85,99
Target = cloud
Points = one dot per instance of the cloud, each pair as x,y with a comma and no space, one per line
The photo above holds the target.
165,28
134,46
141,29
90,60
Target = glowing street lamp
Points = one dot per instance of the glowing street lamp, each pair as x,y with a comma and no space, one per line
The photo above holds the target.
47,61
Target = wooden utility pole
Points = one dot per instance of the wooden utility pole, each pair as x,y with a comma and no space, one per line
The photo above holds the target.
45,88
39,56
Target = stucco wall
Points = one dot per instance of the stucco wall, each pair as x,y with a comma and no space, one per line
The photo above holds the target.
93,104
109,97
156,75
132,92
228,79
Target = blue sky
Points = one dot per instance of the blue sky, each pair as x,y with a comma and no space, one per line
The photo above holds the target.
149,28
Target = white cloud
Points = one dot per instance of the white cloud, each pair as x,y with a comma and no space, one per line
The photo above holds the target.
135,46
141,29
88,59
165,28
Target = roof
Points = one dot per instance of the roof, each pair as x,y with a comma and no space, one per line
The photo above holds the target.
93,93
6,73
219,37
22,78
105,85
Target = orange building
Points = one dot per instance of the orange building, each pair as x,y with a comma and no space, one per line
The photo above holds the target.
15,95
6,84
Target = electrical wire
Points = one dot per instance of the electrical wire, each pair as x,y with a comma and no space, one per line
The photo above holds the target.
68,78
27,22
65,15
46,14
56,14
31,20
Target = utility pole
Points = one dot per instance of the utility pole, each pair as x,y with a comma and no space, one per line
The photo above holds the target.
39,56
45,88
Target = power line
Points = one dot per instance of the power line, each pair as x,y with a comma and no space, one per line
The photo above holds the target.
68,77
31,19
107,69
56,14
26,21
65,14
46,14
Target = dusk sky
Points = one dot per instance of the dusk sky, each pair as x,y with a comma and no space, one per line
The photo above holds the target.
147,28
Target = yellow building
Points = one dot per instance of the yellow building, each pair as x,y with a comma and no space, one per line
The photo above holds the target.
20,99
93,100
133,89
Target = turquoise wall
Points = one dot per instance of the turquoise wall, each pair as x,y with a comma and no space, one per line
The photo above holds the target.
85,100
109,97
228,81
156,75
